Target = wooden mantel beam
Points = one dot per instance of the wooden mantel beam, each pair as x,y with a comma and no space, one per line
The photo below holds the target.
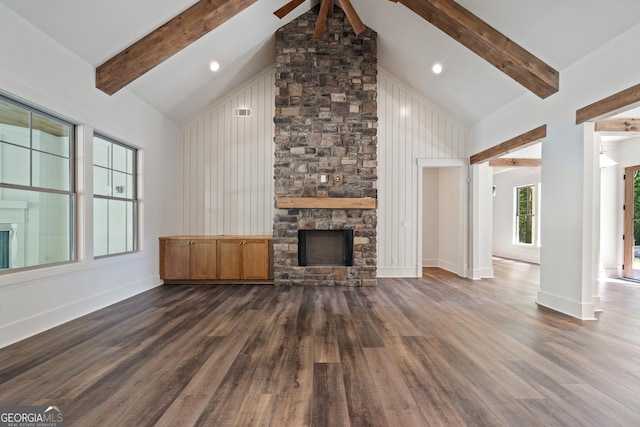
489,44
513,162
165,41
520,141
618,125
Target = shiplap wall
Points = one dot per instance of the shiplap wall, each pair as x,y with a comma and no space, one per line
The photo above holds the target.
409,128
228,177
228,164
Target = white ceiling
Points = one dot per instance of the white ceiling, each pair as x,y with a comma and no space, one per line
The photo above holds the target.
557,31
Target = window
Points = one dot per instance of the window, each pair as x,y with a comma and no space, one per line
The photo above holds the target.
115,204
525,215
37,187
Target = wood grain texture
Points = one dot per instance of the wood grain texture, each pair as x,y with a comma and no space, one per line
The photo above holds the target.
488,43
629,223
165,41
513,162
321,22
609,105
287,8
325,203
436,351
618,125
352,16
516,143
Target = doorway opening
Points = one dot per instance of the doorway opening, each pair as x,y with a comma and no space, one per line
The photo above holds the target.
631,265
442,214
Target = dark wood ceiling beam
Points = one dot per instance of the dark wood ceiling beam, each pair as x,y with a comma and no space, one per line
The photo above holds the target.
352,16
164,42
618,125
322,18
513,162
489,44
284,10
609,105
519,142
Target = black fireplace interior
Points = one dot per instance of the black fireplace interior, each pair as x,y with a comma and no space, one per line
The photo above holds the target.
325,247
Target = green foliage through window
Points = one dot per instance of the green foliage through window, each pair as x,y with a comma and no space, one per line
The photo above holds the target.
636,207
525,214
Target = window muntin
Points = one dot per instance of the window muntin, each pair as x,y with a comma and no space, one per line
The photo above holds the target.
115,204
37,186
525,229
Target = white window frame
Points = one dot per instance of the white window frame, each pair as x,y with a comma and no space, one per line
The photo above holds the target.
533,214
133,199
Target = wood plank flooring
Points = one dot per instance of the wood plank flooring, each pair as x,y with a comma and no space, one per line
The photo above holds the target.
437,351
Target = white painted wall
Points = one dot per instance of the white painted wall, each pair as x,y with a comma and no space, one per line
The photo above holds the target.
430,217
480,213
451,232
228,179
409,128
568,283
442,219
228,164
504,213
42,72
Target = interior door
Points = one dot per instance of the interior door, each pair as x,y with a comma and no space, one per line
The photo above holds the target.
631,269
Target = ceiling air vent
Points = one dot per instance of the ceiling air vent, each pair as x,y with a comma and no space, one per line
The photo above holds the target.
242,112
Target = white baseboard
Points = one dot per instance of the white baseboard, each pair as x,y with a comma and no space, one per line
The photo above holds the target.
482,273
610,273
398,272
26,328
430,263
579,310
450,266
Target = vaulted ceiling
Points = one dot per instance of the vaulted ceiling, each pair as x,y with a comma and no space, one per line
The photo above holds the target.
558,32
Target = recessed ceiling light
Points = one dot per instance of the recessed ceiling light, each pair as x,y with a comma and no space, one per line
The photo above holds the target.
214,66
437,68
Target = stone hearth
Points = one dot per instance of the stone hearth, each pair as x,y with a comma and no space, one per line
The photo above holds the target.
325,145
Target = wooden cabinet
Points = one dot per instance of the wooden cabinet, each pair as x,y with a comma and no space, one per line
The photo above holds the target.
243,259
215,258
188,258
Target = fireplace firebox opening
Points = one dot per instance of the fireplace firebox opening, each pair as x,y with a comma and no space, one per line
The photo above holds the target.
325,247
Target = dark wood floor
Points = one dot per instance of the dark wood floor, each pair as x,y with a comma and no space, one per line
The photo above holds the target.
439,351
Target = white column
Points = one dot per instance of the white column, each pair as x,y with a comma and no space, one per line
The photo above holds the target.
570,214
481,221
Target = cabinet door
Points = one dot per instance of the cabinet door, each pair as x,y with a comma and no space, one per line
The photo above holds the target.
255,259
230,259
203,259
176,259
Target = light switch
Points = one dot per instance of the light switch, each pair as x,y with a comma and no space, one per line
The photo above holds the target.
324,178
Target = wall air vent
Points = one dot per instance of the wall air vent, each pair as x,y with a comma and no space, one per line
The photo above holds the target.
242,112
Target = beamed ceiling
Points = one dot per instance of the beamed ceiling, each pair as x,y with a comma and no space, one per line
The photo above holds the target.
492,51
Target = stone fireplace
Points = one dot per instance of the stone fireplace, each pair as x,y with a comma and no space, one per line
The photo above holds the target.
325,165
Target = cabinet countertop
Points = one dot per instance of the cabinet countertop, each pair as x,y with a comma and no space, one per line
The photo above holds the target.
216,237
